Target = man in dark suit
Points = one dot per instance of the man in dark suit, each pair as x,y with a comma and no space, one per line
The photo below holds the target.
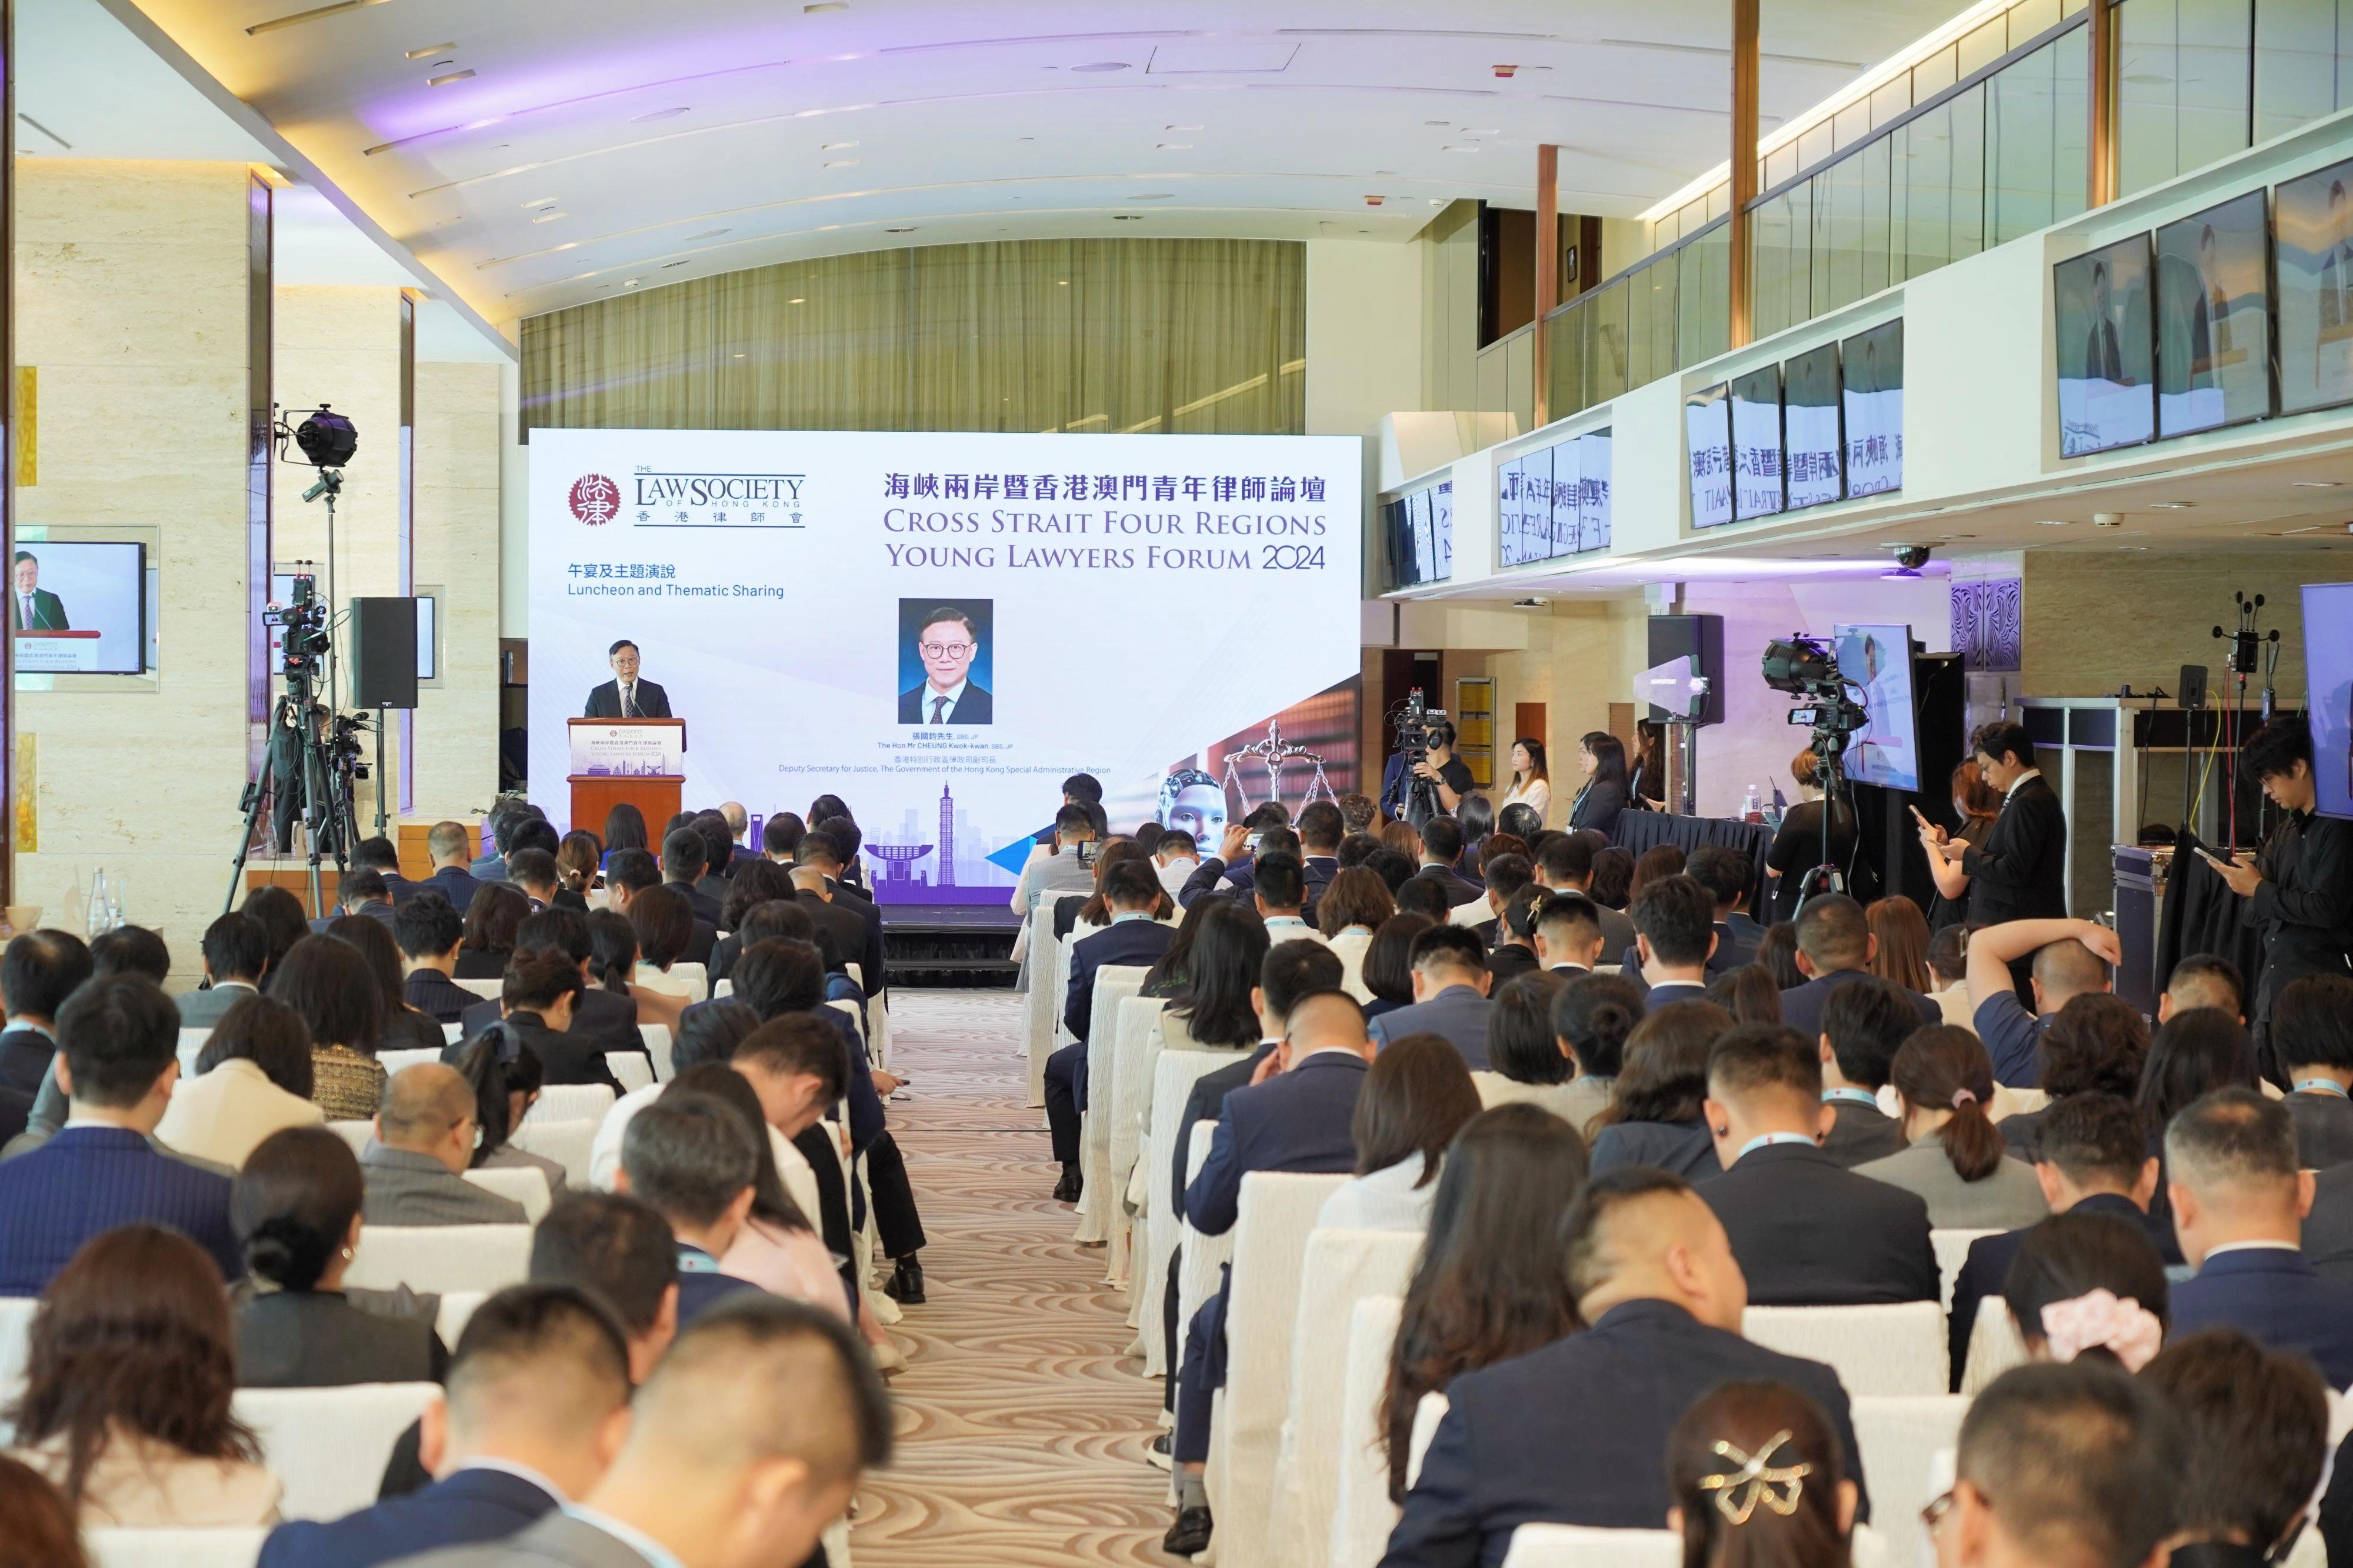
379,856
690,1160
2239,1201
1568,934
603,1021
445,842
629,872
1321,828
822,852
1730,875
1834,949
362,891
1675,936
2066,959
2090,1155
1505,876
1565,864
38,970
683,857
1442,852
536,1404
536,1001
1862,1024
948,643
625,696
1134,937
1656,1280
430,933
33,609
839,925
2312,1036
118,1039
1298,1120
2020,872
236,951
1808,1232
1233,869
1450,994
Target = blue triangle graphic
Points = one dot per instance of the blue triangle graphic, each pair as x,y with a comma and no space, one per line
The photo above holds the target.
1016,854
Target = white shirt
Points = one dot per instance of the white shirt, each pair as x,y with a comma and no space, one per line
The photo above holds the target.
2029,773
630,699
605,1153
2213,1252
1290,928
932,695
1173,874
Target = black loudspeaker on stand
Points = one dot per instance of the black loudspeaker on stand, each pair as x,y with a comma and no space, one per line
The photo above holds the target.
384,674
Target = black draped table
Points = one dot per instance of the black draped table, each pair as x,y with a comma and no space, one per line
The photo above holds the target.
1640,830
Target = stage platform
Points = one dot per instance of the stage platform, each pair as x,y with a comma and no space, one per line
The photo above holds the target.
966,947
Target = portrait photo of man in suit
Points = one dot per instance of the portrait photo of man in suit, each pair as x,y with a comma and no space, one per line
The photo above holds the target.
946,641
626,696
33,609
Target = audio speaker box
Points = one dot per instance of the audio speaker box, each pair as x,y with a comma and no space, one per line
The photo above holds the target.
382,653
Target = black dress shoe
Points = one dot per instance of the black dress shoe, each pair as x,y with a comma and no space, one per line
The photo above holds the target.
1189,1534
905,1285
1156,1455
1066,1191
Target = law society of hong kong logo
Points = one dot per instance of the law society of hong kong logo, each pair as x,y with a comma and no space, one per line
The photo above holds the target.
595,500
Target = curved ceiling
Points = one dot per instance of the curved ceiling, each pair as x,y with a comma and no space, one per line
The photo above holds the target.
534,154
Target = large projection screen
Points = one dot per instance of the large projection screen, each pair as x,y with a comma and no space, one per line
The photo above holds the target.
1146,606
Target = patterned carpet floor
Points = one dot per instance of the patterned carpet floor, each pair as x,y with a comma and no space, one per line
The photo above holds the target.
1022,1421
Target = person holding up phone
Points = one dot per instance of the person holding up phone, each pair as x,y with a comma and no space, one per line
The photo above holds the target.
2299,886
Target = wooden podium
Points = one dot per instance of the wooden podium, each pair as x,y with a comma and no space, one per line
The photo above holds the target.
650,777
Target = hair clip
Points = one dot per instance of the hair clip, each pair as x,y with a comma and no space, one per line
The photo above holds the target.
1738,1493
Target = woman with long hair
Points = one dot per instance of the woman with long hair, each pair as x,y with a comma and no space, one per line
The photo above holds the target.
2088,1284
663,919
1760,1481
778,1248
1777,955
1955,1159
1354,905
283,919
1215,1007
296,1211
403,1027
1592,1017
1647,783
492,917
1417,1096
130,1365
577,861
1401,837
1601,758
1975,806
1492,1280
1749,993
1388,969
331,986
1475,814
1799,846
1167,973
625,828
1654,1107
613,956
1656,864
1903,935
1613,877
506,1075
1531,782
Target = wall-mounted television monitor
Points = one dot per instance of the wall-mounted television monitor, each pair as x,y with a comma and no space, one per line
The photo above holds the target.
1870,365
1560,521
1878,660
1511,516
1442,526
2213,318
1425,537
1707,433
2312,219
2329,693
1756,443
77,608
1593,450
2108,382
1811,428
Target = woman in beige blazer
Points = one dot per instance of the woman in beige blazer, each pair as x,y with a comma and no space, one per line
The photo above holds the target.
252,1079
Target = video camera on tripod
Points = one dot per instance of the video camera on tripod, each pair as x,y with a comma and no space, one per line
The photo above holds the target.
1419,727
1808,668
303,625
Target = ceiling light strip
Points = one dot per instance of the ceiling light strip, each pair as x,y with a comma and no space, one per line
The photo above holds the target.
317,14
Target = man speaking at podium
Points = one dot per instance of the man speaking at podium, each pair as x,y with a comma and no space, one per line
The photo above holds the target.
33,609
625,696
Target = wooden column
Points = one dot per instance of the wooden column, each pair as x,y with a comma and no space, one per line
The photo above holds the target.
2100,143
1744,158
1547,270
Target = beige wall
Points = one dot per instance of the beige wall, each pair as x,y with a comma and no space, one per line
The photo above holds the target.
1581,657
2095,620
457,447
1449,309
131,300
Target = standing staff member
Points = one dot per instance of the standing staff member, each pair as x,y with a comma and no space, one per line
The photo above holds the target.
2020,871
2299,888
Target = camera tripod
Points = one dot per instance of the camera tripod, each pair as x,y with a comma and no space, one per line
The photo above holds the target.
317,769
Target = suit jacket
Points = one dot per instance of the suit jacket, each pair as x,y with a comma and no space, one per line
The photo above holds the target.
1671,993
203,1009
975,707
1810,1234
845,930
706,908
1459,889
1206,1102
1732,949
869,958
558,1541
472,1506
2007,1198
1597,805
1617,935
1297,1120
2278,1298
454,883
564,1057
1509,961
91,1179
605,702
224,1115
48,612
25,1059
1680,1147
1123,941
1459,1013
1986,1269
403,1189
1521,1443
1801,1005
604,1020
435,994
317,1338
2324,1129
2328,1228
701,1285
2020,872
1862,1133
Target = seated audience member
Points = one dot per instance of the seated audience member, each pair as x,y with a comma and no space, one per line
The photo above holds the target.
2194,1053
1176,856
2088,1283
1394,868
504,1074
1954,1153
1655,1281
131,950
491,921
1749,993
35,1520
777,1247
118,1042
1442,852
1389,961
1592,1016
1729,876
1862,1024
796,1066
1280,891
1948,979
1564,864
2071,959
2097,1044
1417,1096
1613,875
2203,980
1504,872
282,916
623,1254
235,949
253,1079
1419,896
630,875
446,845
1354,906
780,837
664,921
1300,1118
2076,1465
430,933
362,893
1492,1283
1525,1060
745,1445
1565,931
1808,1232
129,1365
537,1404
833,854
1132,939
1655,864
1515,952
690,1160
414,1168
768,889
296,1209
684,857
2239,1199
1835,948
1675,936
331,987
598,1015
535,870
710,1035
539,999
1899,934
38,970
1654,1116
399,1026
2312,1036
1450,994
1777,955
1752,1442
2258,1422
2091,1159
613,971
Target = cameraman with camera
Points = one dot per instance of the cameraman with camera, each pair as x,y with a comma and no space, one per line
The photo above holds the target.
1424,777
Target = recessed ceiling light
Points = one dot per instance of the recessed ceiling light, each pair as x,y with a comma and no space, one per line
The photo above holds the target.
812,10
841,163
1155,197
541,202
657,115
739,355
1459,149
1175,147
1438,123
631,283
1468,131
445,80
1127,218
548,217
908,229
2054,522
666,265
2168,506
1061,283
568,245
800,301
837,146
1180,127
430,50
1102,66
2316,484
706,234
